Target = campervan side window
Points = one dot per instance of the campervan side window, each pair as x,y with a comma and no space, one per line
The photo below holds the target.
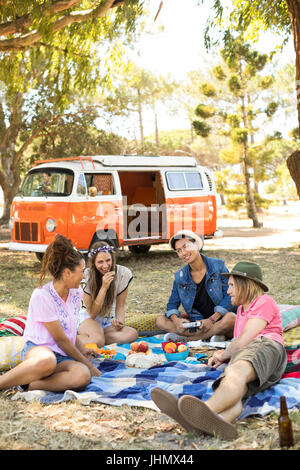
47,182
182,181
101,183
81,187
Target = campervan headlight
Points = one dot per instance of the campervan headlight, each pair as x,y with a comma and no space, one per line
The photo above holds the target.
11,223
50,225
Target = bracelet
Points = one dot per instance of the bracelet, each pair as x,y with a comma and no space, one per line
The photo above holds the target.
212,320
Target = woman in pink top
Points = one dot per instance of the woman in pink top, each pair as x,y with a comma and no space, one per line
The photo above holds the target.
53,359
256,359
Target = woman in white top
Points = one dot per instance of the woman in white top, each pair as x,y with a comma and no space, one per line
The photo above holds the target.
102,317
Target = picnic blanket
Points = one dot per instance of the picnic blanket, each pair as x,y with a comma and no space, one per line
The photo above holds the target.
119,385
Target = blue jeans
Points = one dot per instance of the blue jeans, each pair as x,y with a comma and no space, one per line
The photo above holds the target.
59,357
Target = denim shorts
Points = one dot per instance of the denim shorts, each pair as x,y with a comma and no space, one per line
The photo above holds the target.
59,357
104,322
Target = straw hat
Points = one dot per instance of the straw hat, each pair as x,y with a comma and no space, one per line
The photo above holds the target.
186,234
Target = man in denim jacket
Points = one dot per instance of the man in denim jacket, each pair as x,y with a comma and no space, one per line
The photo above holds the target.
201,290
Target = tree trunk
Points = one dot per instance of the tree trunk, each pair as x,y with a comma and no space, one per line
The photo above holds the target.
140,117
294,11
9,182
251,206
293,164
156,128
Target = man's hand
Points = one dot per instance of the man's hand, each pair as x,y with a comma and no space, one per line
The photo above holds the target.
178,323
206,325
216,359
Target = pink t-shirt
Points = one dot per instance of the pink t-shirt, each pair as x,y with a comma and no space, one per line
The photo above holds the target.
265,308
46,306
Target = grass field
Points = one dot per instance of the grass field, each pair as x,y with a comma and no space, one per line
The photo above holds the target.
96,426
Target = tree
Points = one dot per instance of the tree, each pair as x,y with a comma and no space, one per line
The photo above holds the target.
235,107
251,16
137,90
40,79
25,23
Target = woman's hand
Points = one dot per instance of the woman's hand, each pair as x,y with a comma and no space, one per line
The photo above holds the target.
95,372
107,279
216,359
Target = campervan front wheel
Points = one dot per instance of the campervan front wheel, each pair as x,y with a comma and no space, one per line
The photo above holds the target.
139,249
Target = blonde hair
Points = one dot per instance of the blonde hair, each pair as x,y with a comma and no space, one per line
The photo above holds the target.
246,290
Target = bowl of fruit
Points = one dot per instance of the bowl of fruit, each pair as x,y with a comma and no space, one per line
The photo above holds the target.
175,351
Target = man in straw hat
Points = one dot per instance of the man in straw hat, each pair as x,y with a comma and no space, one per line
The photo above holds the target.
256,359
201,289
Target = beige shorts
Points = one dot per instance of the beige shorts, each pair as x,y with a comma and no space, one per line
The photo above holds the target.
267,357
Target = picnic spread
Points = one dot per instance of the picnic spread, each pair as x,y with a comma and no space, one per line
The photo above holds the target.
122,385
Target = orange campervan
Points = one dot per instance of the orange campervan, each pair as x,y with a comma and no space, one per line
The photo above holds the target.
133,201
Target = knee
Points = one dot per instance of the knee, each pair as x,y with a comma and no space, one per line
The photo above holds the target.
237,374
45,366
133,335
97,338
81,377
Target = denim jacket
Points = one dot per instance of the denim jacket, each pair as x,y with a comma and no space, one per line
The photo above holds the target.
184,288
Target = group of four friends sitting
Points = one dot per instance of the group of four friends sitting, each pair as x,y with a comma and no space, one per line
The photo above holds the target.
62,318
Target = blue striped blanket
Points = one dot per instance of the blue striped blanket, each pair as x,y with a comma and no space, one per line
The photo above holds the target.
119,385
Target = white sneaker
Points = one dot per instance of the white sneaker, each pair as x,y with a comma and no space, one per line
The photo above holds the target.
175,337
217,339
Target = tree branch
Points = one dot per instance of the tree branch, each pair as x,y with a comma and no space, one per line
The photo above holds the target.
35,135
23,23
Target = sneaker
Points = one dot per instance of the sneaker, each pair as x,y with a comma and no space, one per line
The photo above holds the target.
176,338
203,419
217,339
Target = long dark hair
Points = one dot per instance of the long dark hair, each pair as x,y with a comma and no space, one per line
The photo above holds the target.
95,277
59,255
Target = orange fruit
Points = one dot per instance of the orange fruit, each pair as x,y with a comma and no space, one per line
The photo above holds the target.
171,347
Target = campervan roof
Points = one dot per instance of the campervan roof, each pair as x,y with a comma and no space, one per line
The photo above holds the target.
120,161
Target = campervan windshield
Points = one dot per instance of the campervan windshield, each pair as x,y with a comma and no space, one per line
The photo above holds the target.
47,182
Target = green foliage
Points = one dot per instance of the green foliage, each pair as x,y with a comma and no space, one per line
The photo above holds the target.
271,108
294,134
201,128
208,90
266,82
233,120
205,111
219,72
239,136
234,85
249,16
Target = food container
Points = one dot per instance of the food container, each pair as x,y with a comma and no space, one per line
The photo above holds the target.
177,356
